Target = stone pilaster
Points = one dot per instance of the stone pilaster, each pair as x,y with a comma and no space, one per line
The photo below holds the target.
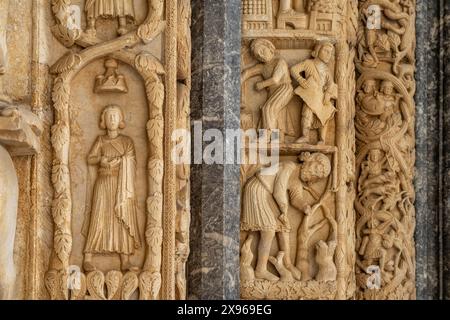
213,267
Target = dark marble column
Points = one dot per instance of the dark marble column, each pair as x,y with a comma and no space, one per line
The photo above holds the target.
213,266
433,145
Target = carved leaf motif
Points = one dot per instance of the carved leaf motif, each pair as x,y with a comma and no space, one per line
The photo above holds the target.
53,284
130,284
79,294
63,245
149,285
154,208
155,130
146,62
95,285
154,237
152,25
155,94
113,280
64,29
68,62
61,210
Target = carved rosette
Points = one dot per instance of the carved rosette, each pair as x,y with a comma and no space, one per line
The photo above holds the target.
125,49
385,150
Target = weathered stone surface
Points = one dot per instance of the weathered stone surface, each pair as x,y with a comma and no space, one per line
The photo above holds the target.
213,268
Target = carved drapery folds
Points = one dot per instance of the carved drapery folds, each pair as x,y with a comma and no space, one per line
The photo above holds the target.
298,81
385,150
151,279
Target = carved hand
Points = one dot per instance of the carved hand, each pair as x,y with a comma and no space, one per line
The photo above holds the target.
260,85
308,210
283,218
104,162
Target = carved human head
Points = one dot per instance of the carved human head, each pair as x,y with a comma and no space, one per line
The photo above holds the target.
387,87
369,86
375,155
315,166
112,118
323,51
263,50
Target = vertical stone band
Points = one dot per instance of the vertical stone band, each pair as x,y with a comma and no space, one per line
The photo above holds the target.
213,266
385,114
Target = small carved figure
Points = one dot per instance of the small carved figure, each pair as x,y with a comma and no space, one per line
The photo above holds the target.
317,89
246,271
277,81
389,99
266,203
372,248
121,9
324,258
111,81
392,19
112,226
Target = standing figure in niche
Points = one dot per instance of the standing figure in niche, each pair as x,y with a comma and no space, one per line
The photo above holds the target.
266,204
317,89
121,9
113,225
277,81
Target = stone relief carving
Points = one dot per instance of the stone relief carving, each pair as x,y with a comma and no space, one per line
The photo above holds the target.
112,225
111,80
307,204
123,10
385,150
161,271
316,89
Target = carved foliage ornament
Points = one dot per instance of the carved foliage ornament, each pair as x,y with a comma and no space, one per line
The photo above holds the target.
151,70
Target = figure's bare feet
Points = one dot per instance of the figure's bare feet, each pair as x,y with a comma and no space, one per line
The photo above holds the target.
295,272
320,143
303,139
266,275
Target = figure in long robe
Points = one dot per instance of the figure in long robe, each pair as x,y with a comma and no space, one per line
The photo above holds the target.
121,9
113,225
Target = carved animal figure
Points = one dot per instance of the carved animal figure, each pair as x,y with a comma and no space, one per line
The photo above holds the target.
324,258
247,272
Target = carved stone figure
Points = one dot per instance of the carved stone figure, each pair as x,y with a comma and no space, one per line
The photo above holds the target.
325,261
266,202
121,9
111,81
113,218
277,81
317,89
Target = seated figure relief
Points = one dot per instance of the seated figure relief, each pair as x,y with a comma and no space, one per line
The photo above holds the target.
112,226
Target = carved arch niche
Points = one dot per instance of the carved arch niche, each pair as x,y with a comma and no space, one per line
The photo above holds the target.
135,72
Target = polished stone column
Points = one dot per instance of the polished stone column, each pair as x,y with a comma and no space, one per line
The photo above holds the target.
213,266
433,145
